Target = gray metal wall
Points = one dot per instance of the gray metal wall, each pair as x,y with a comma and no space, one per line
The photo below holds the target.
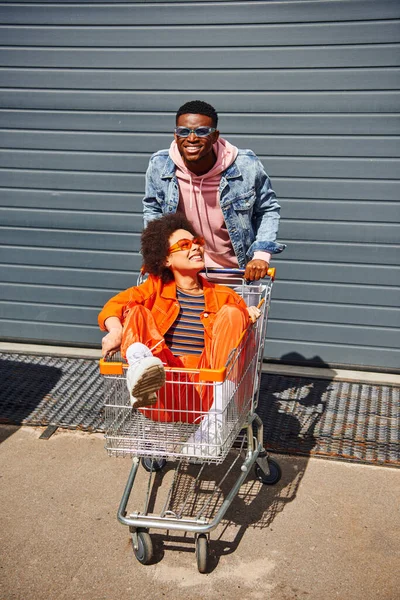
89,91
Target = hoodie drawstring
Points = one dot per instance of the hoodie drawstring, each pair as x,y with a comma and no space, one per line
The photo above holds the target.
192,194
201,199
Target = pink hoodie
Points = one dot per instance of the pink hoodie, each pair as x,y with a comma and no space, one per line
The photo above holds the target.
199,201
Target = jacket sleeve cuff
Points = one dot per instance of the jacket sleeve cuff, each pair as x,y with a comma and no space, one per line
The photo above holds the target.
271,247
260,255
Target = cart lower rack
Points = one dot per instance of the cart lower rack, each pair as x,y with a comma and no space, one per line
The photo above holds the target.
180,431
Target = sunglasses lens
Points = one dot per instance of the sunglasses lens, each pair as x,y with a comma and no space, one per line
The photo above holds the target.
182,131
185,244
202,131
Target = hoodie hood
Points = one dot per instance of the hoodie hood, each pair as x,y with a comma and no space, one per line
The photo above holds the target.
199,201
225,152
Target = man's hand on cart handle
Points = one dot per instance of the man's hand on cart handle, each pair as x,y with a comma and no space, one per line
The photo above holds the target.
256,269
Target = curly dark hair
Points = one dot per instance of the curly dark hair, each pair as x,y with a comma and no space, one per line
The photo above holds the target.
155,243
198,107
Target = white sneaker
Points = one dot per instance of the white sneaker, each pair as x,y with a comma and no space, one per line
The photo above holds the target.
137,351
145,375
207,439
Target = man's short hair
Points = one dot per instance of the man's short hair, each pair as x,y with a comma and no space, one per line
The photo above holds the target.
198,107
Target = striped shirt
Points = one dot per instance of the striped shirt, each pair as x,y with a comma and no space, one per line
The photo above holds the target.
186,335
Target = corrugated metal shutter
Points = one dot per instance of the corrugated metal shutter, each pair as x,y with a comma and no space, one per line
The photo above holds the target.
89,90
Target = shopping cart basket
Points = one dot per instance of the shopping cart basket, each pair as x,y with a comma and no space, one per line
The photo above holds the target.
183,433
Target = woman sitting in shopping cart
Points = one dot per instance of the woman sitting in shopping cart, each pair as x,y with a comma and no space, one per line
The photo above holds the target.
176,318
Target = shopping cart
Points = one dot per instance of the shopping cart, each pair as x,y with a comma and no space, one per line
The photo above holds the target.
183,433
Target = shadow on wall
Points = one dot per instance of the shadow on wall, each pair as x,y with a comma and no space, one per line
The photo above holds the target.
295,358
23,389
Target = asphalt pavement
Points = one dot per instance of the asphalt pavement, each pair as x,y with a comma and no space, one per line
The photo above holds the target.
328,530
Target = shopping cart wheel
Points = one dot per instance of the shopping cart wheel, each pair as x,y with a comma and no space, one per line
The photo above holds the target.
142,546
202,552
274,476
153,464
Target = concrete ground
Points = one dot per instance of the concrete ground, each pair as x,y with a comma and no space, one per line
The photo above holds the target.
328,530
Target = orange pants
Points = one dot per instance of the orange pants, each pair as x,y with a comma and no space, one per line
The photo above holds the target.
181,399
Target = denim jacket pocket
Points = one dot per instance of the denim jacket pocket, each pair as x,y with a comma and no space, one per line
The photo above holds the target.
242,207
244,202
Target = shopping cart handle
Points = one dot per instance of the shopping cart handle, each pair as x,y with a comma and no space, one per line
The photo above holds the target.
271,271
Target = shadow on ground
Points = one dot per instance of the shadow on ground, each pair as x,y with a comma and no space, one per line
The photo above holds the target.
23,387
256,505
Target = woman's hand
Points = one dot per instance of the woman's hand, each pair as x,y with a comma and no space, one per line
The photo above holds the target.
111,342
254,313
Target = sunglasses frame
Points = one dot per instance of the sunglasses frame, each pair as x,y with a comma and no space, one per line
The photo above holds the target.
199,241
211,130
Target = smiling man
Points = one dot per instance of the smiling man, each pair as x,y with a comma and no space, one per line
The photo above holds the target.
223,190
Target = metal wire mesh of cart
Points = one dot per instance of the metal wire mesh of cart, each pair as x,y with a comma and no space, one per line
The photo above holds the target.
180,426
197,491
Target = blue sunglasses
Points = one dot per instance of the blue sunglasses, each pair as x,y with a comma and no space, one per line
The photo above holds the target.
199,132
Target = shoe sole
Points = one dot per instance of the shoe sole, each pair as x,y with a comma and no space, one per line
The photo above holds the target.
146,400
149,382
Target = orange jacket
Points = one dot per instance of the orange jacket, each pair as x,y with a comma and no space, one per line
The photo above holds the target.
160,299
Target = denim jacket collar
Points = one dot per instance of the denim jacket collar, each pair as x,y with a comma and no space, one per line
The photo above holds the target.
169,169
232,172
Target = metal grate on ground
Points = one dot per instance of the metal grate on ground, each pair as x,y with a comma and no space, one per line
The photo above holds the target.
48,390
301,415
331,418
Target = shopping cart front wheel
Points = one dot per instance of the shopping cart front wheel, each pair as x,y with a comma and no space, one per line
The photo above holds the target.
202,552
153,464
274,475
142,546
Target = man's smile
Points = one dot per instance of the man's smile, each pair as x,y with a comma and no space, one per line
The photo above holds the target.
192,149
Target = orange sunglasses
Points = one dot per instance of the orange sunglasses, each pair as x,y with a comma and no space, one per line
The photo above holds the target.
186,244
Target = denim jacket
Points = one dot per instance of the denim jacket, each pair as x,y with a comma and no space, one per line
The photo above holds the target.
247,200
